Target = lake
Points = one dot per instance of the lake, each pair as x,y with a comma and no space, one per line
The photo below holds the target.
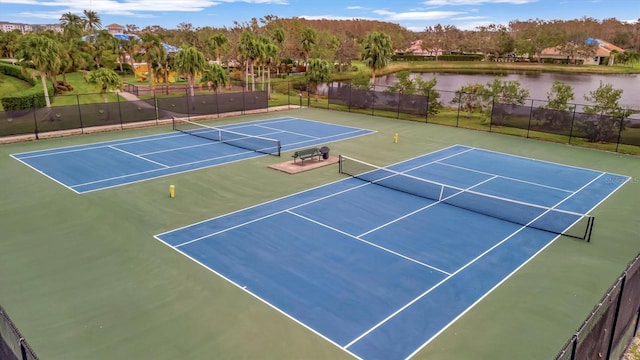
538,83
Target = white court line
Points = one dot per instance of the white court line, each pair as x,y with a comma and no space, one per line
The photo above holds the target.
288,132
44,174
281,211
426,207
179,148
99,145
248,291
506,177
369,243
279,199
168,167
542,161
462,268
138,156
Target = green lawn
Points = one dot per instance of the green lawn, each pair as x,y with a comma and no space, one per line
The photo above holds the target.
11,85
83,277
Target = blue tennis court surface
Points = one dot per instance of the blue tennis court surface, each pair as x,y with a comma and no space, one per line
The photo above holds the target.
102,165
379,272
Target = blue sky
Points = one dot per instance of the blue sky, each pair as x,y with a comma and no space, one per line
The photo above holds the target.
413,15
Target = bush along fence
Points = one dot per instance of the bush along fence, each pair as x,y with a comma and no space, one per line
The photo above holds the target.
13,346
84,112
533,119
612,324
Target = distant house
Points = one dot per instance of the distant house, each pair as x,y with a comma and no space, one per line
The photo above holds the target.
602,53
25,28
9,26
115,29
416,49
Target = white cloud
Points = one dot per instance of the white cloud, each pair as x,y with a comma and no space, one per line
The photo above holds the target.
417,15
131,6
329,17
475,2
355,8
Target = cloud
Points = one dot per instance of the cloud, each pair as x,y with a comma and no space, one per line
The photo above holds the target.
417,15
330,17
131,6
475,2
355,8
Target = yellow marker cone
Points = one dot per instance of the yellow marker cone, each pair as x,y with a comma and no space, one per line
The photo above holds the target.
172,191
395,138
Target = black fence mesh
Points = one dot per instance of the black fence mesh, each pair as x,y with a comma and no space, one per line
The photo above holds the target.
13,346
476,111
609,328
86,114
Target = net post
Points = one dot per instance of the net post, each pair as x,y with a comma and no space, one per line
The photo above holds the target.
589,228
173,122
340,164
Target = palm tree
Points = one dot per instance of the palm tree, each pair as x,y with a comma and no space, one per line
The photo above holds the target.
104,49
105,79
269,57
151,46
248,48
129,47
318,70
42,53
218,44
92,21
308,41
71,25
376,52
191,62
215,76
73,57
278,36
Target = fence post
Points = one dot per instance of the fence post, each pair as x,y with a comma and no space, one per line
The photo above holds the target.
373,101
493,101
530,116
155,105
616,315
186,93
350,90
398,107
216,97
620,130
426,114
574,348
120,112
573,120
242,112
458,114
79,113
35,117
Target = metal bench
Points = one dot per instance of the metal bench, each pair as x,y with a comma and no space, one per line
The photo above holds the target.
306,154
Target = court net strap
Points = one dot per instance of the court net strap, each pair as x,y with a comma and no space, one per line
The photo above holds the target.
548,219
244,141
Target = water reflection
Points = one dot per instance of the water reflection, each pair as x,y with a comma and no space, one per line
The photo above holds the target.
538,83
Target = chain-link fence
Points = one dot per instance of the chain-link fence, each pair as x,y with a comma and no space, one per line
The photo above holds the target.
138,106
609,328
87,111
477,111
13,346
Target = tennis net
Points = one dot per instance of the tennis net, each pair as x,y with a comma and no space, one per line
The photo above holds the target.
244,141
535,216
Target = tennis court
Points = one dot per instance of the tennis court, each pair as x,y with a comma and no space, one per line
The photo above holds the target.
103,165
380,271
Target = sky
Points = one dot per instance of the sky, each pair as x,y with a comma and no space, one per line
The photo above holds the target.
414,15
